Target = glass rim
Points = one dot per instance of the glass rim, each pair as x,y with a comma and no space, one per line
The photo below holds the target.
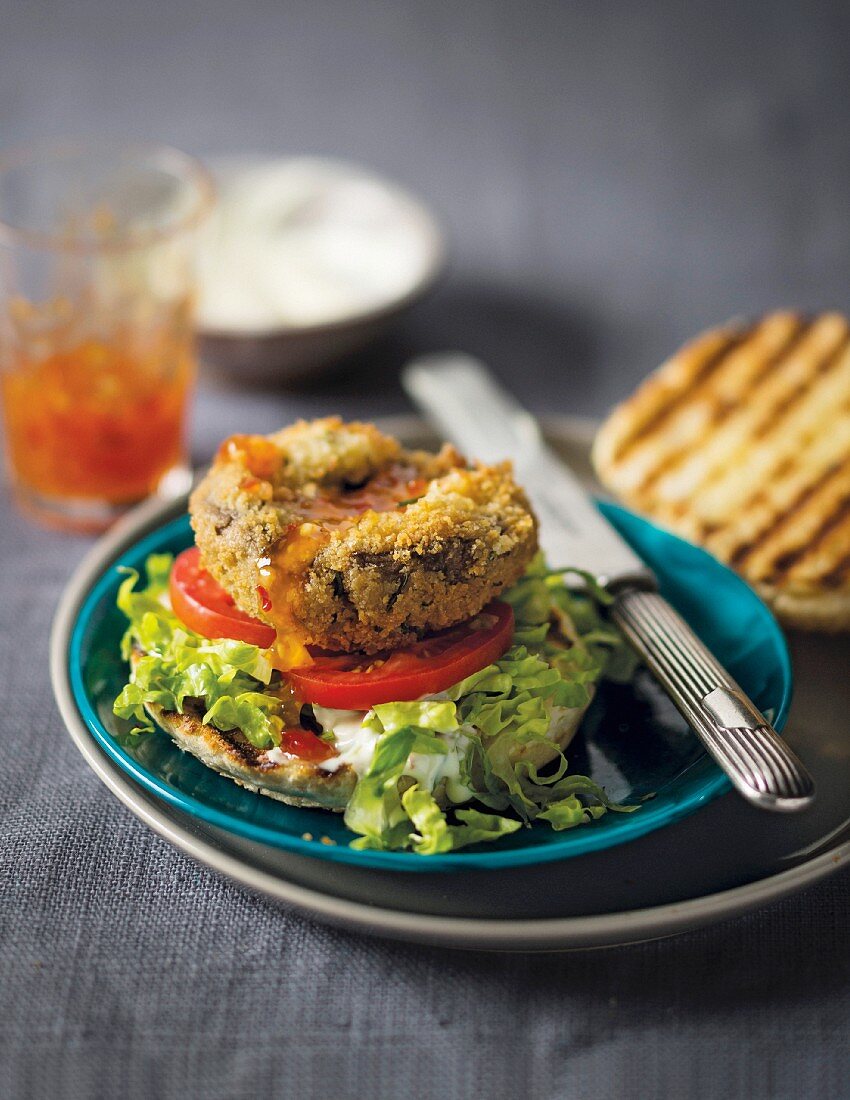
189,169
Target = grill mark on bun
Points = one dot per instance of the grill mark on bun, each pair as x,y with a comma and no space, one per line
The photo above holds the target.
241,747
772,420
234,741
839,575
722,407
768,428
666,408
794,557
738,558
754,461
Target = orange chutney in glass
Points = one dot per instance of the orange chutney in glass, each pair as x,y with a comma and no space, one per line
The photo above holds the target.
99,419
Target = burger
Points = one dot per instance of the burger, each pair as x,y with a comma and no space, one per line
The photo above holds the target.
371,630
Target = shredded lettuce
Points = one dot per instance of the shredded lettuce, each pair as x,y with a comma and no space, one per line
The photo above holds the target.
375,810
501,710
429,714
179,667
432,832
486,730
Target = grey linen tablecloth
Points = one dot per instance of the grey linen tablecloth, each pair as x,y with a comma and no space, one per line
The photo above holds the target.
128,970
614,176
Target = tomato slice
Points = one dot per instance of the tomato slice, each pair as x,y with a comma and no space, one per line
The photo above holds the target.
348,681
305,745
199,601
351,681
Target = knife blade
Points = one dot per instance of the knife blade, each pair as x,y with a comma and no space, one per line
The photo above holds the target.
572,531
463,400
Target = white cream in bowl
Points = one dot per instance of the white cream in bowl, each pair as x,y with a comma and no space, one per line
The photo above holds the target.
307,241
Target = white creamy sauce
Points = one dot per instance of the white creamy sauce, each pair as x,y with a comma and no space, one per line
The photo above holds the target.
355,744
305,241
430,769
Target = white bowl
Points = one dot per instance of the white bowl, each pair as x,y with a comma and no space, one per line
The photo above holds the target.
292,353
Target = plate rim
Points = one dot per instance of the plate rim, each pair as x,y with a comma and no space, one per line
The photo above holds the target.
472,933
146,524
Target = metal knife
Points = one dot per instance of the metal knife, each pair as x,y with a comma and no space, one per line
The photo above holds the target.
462,399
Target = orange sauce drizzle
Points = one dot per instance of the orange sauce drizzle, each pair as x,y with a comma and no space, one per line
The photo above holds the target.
287,569
283,574
255,452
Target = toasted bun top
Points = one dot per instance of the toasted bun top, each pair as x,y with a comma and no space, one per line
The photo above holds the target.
741,441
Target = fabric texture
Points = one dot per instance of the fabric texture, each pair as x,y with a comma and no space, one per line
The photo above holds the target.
128,970
613,177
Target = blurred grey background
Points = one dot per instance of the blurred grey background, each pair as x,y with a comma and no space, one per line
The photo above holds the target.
614,176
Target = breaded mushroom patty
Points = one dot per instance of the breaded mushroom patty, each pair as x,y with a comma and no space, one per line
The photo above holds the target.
339,538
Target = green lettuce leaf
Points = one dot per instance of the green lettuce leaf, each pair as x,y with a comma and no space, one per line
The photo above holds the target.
376,810
179,667
433,833
427,714
508,704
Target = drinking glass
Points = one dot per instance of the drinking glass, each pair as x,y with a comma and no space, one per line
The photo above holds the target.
97,357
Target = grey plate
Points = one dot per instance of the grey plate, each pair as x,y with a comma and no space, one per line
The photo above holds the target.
720,862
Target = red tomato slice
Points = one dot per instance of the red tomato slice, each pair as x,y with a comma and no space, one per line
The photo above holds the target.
305,745
352,681
348,681
199,601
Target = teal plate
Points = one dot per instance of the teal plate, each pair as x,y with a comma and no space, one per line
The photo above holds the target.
632,740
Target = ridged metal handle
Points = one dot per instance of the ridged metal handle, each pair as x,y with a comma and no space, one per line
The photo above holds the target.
738,736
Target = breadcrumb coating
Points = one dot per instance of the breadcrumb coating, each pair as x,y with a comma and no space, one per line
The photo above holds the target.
285,513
